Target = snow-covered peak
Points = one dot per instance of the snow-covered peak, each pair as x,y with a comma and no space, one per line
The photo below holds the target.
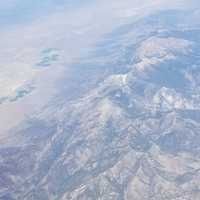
156,50
170,99
161,47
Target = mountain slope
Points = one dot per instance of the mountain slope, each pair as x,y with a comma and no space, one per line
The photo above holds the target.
135,134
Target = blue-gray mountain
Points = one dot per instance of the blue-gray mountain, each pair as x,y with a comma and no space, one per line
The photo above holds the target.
129,127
